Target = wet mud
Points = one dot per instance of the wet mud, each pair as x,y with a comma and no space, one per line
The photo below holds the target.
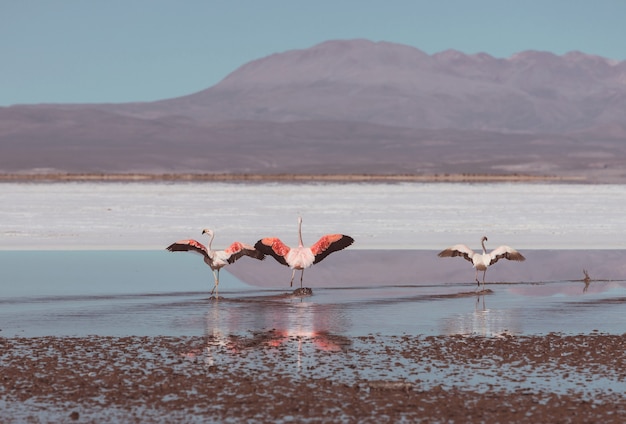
272,376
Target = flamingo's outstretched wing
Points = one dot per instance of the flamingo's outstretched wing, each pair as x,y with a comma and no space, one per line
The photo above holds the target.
238,249
457,250
274,247
328,244
505,252
188,246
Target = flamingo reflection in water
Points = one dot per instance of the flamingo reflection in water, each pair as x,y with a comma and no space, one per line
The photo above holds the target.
288,329
483,321
306,332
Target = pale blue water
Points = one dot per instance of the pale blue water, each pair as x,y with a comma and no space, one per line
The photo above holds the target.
76,293
91,283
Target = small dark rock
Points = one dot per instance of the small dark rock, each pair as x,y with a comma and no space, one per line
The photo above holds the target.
303,291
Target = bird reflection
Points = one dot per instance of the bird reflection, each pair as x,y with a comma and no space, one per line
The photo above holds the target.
286,328
483,321
480,296
586,280
216,339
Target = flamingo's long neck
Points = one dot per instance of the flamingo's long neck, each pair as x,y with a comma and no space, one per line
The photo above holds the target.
211,235
300,243
482,242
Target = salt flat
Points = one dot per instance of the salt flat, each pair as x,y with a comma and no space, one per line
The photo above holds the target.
150,215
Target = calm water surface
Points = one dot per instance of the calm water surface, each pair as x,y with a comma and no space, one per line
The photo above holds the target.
66,267
78,293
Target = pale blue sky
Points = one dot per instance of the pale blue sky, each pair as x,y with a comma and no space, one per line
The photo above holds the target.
81,51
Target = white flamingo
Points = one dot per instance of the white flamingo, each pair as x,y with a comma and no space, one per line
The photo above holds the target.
216,259
302,257
482,261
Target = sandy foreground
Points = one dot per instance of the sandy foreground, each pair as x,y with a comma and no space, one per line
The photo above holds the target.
270,377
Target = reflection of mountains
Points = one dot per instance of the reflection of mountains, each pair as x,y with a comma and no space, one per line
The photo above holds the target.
353,268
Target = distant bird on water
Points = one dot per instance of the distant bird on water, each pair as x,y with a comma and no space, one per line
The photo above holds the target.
301,257
482,261
216,259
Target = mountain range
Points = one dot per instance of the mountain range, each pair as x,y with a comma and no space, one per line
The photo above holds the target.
349,107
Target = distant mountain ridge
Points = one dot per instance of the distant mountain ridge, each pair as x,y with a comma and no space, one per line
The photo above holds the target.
391,84
348,100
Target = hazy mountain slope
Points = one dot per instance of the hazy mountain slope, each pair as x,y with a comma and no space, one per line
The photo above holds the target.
350,106
396,85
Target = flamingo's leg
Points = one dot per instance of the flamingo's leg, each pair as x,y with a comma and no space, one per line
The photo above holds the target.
216,276
293,274
301,277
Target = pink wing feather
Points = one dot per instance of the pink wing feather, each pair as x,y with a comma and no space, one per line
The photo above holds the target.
273,246
328,244
238,249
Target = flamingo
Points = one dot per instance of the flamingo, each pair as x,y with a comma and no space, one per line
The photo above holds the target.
301,257
482,261
216,259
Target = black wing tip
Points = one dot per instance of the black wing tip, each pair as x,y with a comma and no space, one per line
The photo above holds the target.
177,247
518,256
342,243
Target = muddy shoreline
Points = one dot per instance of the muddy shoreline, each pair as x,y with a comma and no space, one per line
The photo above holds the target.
363,379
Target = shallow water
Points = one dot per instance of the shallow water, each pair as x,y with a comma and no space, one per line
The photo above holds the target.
347,334
147,293
89,291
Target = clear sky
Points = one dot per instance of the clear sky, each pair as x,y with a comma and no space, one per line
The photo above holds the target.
81,51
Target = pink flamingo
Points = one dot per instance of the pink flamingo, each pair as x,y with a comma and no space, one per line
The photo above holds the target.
302,257
216,259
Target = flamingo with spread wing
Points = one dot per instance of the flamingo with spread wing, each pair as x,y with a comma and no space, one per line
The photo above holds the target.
482,261
302,257
216,259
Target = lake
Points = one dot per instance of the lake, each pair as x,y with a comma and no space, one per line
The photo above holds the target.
99,322
89,258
